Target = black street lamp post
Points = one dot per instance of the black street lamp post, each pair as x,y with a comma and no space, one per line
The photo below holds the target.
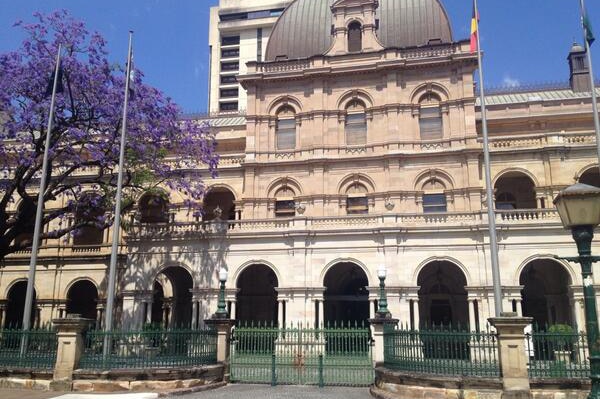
221,306
579,210
382,309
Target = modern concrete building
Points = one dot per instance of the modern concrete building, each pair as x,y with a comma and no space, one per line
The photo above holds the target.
238,33
360,147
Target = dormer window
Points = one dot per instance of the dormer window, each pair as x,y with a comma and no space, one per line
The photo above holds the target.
354,37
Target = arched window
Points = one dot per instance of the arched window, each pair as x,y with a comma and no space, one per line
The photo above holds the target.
430,117
285,130
89,209
356,123
434,198
357,201
354,37
285,206
154,208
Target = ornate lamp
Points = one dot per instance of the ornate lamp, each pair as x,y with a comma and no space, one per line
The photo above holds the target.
579,210
382,309
221,306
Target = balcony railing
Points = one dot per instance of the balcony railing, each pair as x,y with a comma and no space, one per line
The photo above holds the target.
520,217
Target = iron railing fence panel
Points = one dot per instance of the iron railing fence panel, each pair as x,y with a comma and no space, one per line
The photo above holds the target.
558,355
302,355
442,351
39,353
149,349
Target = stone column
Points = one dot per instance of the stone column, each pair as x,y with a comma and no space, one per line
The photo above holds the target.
69,333
416,315
99,316
233,313
194,315
519,307
512,354
2,315
148,311
472,321
322,312
280,313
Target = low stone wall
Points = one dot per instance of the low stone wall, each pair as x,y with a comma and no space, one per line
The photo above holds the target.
25,379
144,380
391,384
115,380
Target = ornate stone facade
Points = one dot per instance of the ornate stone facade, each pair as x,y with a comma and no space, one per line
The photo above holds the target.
345,161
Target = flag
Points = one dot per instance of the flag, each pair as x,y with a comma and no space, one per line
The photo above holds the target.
474,28
59,85
131,77
587,28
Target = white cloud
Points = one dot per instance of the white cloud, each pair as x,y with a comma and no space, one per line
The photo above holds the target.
510,81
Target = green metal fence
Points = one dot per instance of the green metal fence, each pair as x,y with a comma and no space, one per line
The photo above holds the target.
442,351
299,355
150,349
558,355
40,349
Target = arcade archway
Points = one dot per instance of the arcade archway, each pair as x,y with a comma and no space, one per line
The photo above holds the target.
346,295
546,292
442,296
172,299
82,298
257,297
15,305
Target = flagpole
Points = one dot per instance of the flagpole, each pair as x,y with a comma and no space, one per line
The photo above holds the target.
592,80
110,296
40,205
488,183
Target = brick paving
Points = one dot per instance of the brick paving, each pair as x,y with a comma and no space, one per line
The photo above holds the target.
246,391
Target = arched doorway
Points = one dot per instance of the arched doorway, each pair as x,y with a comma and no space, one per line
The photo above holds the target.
219,203
82,298
172,299
442,296
15,305
257,297
546,293
346,295
591,177
515,190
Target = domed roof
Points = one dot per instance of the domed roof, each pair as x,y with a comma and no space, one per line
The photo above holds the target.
304,28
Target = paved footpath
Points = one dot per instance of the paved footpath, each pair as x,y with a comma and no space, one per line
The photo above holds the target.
245,391
232,391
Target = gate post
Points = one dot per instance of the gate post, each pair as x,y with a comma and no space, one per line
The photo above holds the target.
511,348
378,327
70,348
223,327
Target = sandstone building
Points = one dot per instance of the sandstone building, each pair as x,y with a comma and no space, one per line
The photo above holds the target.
360,147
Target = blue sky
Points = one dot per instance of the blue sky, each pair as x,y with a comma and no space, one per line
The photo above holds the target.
525,41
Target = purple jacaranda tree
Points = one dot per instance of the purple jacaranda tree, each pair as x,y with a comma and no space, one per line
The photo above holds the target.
162,150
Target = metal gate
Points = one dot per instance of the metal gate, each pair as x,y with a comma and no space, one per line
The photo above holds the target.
302,356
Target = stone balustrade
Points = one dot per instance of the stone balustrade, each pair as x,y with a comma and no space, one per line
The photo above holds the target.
521,217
